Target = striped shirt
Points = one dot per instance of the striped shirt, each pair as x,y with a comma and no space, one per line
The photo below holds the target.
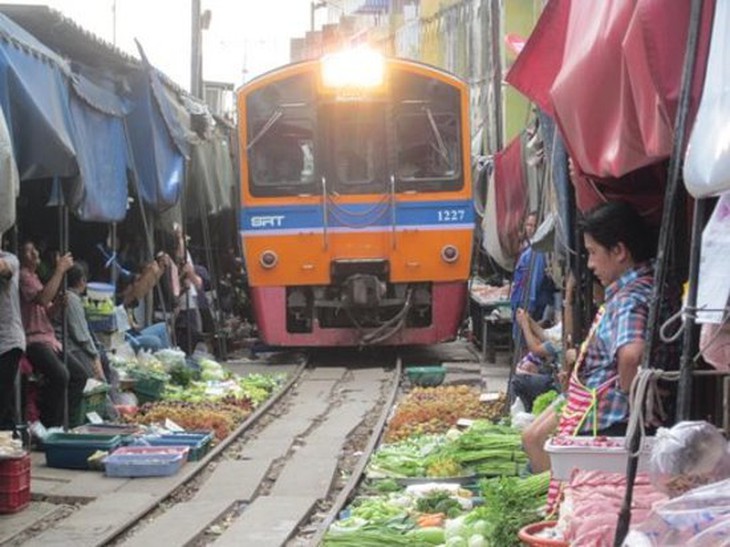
623,322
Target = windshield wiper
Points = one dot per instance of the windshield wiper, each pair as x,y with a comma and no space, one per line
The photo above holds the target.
439,139
275,116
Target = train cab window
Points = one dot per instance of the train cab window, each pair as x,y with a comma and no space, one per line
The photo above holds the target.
281,162
357,158
427,151
281,138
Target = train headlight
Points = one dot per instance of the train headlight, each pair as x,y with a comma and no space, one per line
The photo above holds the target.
449,253
355,68
269,259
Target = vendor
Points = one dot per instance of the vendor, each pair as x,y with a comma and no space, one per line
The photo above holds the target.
12,337
537,371
154,337
597,403
38,304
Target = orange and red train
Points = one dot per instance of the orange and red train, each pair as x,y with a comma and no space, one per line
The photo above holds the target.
356,201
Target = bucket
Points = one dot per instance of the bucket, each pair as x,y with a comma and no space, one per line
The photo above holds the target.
528,535
99,291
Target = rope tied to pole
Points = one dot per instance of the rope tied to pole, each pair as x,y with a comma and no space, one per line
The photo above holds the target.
645,400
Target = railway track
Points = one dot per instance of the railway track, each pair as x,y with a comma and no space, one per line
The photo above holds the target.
279,478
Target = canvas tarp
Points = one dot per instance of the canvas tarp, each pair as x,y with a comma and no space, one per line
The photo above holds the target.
621,55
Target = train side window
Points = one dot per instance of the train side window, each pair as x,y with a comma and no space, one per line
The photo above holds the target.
428,151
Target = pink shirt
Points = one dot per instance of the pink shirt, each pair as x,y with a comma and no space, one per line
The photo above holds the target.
38,327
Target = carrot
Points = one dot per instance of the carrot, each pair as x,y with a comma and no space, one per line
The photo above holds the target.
429,520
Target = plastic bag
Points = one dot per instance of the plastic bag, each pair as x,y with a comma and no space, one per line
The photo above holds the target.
707,164
699,518
687,455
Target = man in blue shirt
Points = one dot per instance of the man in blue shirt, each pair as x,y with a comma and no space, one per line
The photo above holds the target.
531,288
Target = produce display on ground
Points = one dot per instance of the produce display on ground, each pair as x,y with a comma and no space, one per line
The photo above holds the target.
443,514
431,410
195,394
483,449
431,483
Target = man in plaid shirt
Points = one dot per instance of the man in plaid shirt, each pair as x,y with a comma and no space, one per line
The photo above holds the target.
619,249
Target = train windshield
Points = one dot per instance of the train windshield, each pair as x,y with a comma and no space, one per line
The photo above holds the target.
427,146
357,157
428,151
281,143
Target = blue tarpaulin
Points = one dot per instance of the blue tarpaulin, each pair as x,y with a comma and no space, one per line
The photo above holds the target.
63,125
34,99
158,159
100,193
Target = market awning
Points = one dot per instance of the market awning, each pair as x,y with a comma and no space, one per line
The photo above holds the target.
608,73
100,192
63,125
34,98
157,156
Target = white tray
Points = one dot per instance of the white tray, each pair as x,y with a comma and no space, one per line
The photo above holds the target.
613,459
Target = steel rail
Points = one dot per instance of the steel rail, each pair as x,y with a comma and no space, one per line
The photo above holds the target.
358,471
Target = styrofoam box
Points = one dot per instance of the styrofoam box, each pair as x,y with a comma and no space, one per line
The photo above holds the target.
586,456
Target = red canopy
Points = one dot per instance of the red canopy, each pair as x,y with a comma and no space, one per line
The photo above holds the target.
609,73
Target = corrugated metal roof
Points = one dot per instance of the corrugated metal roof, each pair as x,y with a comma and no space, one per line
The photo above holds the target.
68,39
373,6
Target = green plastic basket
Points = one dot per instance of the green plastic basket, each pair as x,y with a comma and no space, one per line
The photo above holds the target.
92,401
148,387
430,376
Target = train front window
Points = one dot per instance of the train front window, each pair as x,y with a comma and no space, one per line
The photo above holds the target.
357,150
280,133
427,150
281,155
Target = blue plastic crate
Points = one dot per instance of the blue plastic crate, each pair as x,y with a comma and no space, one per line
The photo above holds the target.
145,461
198,442
102,323
72,450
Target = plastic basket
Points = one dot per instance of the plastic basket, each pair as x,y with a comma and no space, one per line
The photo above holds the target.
528,535
147,387
99,291
198,442
145,461
126,432
426,376
12,502
72,450
593,454
15,474
92,401
14,484
101,323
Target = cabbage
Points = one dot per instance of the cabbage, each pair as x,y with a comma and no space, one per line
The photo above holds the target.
454,527
477,540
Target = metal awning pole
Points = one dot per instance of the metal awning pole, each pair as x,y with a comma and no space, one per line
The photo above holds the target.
213,272
689,338
667,228
63,249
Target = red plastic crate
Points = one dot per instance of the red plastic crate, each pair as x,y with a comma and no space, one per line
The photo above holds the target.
14,484
14,474
12,502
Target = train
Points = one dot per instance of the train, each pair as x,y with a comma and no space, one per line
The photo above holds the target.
356,213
